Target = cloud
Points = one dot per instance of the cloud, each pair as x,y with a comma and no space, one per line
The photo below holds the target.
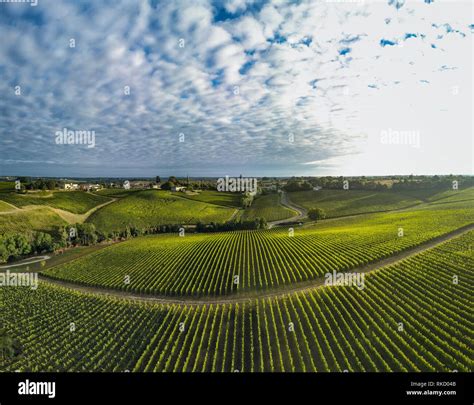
236,78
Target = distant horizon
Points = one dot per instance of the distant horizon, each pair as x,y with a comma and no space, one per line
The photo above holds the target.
231,175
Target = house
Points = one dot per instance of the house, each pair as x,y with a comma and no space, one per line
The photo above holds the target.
71,186
178,188
317,188
90,187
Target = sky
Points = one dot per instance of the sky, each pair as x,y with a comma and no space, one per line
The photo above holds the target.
230,87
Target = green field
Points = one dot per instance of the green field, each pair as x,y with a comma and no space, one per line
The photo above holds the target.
77,202
38,219
115,192
214,197
206,264
4,207
7,186
409,317
152,208
338,203
268,207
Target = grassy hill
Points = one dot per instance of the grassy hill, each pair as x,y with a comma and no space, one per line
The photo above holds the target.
339,203
152,208
40,219
77,202
214,197
268,207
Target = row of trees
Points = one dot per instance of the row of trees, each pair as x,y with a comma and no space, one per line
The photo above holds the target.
378,183
257,223
15,245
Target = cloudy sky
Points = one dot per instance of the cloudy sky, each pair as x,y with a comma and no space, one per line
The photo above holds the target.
340,87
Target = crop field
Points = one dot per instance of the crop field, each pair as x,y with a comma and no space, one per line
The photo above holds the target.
39,219
268,207
214,197
208,264
116,192
337,203
410,316
152,208
77,202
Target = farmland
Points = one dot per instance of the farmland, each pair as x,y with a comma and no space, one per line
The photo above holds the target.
152,208
268,207
196,265
337,203
39,219
391,325
214,197
77,202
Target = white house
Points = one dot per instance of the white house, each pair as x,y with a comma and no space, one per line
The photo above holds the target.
71,186
317,188
178,188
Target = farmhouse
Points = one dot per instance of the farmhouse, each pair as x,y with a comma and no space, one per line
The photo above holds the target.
89,187
178,188
71,186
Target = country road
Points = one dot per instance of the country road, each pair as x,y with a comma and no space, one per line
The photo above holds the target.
302,212
273,293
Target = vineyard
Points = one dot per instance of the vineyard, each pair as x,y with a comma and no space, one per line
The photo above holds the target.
77,202
213,197
150,208
337,203
410,316
238,262
268,207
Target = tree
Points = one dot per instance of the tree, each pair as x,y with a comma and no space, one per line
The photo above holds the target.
316,214
167,186
42,242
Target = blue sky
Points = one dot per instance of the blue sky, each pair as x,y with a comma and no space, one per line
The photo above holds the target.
228,87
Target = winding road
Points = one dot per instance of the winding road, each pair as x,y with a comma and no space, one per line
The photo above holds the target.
302,212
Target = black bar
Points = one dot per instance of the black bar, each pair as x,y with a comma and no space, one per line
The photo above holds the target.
137,388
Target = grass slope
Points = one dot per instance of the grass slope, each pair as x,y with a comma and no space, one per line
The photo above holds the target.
214,197
77,202
41,219
268,207
152,208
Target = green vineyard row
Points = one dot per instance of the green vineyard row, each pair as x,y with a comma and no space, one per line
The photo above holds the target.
410,316
243,261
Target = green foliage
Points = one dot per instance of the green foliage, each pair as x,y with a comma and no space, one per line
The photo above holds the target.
316,214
